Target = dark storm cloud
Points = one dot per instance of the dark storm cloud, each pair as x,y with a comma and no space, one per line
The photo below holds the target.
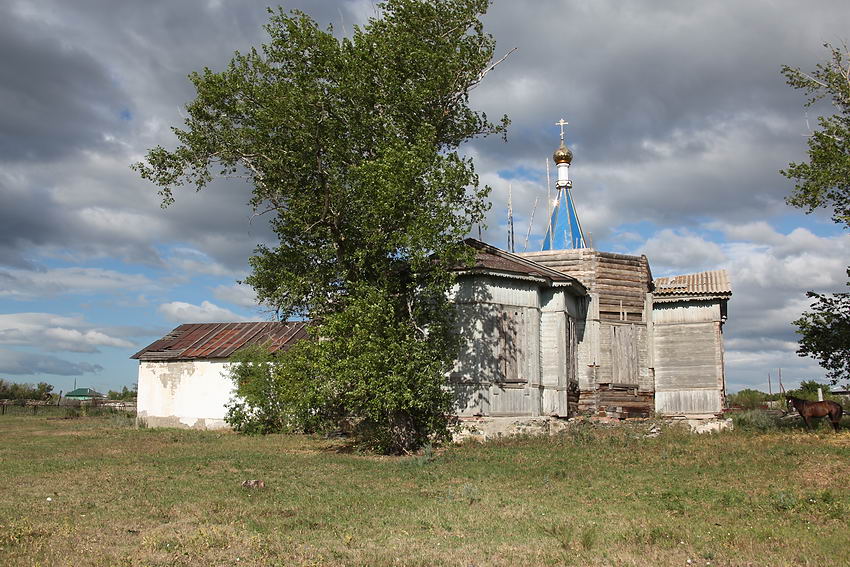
678,115
677,109
54,98
26,219
626,72
72,94
25,363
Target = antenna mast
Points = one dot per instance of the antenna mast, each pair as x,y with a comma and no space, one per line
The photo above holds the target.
530,223
511,243
548,200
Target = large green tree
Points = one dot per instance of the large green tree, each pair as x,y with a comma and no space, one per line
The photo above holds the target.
825,333
824,182
15,391
351,146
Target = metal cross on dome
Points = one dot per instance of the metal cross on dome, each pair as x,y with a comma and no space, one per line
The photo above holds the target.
562,123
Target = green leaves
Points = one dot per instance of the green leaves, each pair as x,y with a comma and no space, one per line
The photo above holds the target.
371,368
351,144
824,181
825,333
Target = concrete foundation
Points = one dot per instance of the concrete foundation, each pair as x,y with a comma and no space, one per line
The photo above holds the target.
486,428
181,422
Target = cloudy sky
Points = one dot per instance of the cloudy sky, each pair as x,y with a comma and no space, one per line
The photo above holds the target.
679,120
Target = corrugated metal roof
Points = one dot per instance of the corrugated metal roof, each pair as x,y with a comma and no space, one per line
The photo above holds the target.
220,340
712,284
490,258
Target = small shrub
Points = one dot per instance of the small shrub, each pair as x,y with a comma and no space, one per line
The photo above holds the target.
427,456
755,420
783,501
562,533
589,536
826,503
570,541
468,493
122,419
748,399
581,433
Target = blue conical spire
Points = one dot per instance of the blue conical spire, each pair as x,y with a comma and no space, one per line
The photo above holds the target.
564,230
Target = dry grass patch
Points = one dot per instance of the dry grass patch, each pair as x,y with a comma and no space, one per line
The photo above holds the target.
593,496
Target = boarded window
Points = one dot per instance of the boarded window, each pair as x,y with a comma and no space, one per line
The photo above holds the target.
624,354
504,328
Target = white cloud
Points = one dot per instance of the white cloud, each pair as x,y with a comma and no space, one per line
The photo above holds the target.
671,249
26,284
206,312
26,363
237,294
191,261
55,332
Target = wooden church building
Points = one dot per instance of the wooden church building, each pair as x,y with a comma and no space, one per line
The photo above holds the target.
608,340
565,331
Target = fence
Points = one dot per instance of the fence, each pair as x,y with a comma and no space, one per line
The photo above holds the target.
65,407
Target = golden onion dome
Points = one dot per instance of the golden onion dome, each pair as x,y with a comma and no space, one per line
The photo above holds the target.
563,155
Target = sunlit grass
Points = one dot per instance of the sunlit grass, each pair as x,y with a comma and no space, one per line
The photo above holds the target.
594,496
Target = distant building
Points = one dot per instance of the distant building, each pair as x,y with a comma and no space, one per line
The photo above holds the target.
84,394
183,379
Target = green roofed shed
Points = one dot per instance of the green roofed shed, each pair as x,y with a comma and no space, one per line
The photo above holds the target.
83,394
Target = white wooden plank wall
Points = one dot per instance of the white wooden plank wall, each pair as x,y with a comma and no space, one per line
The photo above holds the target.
513,401
685,312
553,355
686,357
683,402
496,290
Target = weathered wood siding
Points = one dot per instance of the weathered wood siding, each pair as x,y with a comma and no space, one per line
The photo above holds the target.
519,354
686,356
688,342
622,282
613,342
686,312
558,346
685,402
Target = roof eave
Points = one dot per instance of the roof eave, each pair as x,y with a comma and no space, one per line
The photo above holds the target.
690,297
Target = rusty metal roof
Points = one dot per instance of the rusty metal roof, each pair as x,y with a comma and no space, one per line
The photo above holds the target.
490,258
702,284
220,340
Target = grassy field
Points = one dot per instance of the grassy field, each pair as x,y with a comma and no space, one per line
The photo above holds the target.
97,491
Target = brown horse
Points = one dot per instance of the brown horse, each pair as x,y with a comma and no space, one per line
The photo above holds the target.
808,410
